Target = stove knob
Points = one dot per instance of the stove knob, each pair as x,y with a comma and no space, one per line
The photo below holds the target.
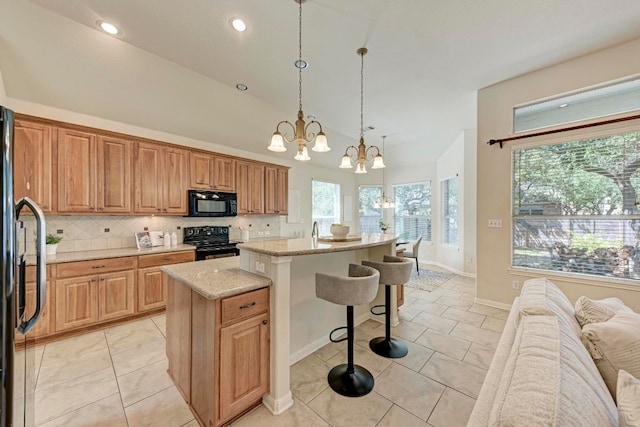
224,230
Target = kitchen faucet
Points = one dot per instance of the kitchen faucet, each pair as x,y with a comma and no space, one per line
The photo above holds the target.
314,229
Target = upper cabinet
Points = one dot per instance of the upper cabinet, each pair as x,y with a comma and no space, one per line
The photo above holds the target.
160,179
276,190
250,187
210,172
94,173
33,160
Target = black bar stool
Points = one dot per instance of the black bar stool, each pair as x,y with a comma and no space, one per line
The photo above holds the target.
393,271
359,288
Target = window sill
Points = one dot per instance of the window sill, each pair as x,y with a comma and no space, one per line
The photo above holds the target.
581,279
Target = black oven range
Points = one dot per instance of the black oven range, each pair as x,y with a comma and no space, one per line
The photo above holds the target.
210,242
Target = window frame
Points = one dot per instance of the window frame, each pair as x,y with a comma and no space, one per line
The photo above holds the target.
444,214
428,217
323,228
381,216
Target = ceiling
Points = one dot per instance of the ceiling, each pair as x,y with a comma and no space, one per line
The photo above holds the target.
175,66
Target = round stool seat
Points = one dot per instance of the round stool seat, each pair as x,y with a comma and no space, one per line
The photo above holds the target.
359,288
393,271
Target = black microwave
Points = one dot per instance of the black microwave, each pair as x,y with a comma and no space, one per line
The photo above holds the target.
212,203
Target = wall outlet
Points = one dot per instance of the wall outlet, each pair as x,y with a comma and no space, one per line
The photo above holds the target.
267,233
515,284
260,233
495,223
260,267
468,260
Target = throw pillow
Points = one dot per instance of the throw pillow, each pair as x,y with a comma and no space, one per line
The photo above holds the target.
594,311
628,392
614,345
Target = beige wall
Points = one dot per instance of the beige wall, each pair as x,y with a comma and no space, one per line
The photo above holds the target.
495,105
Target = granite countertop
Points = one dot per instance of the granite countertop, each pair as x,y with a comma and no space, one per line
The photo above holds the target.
216,278
307,245
61,257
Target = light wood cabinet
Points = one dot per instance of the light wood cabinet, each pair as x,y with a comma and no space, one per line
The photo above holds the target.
161,179
76,302
276,195
250,187
210,172
218,352
152,283
94,173
33,160
116,295
46,324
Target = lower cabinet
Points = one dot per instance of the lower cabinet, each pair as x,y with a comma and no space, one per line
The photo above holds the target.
152,289
116,293
218,351
45,325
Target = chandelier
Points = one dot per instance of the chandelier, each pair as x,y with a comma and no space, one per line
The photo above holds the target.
384,202
362,151
301,132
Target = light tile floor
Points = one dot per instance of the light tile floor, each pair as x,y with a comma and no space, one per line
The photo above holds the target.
117,376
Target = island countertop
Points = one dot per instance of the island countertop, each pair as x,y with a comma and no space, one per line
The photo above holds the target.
307,245
216,278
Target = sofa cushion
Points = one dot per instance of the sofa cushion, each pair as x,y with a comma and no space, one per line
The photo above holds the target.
540,296
547,370
628,392
615,345
595,311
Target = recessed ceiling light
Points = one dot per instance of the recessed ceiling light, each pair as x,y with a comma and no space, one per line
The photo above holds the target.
242,87
238,24
301,63
108,28
563,105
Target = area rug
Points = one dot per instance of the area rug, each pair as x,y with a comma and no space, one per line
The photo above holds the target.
428,280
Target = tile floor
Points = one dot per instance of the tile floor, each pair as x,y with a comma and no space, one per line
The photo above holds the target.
117,376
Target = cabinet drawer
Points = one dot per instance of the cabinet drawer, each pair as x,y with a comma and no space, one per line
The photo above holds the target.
31,273
245,305
166,258
98,266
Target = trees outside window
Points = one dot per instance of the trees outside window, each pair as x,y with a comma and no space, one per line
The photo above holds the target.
370,216
413,211
575,206
450,211
325,205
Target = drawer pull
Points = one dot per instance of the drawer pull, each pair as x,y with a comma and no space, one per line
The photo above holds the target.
98,266
264,322
167,258
248,305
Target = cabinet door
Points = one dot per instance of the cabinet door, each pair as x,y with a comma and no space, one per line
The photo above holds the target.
282,191
224,174
114,175
242,187
45,325
33,163
76,302
76,171
244,364
152,289
116,295
270,194
256,188
147,178
175,181
201,166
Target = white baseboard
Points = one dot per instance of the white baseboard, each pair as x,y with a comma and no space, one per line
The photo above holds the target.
319,343
491,303
451,269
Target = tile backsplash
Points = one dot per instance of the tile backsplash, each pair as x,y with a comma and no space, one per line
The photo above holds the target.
83,233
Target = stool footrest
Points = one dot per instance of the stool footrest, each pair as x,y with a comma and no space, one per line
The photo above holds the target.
339,339
375,307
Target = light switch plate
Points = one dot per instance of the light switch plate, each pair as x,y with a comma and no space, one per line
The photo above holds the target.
495,223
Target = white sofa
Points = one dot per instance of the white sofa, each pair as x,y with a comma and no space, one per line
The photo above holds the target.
541,373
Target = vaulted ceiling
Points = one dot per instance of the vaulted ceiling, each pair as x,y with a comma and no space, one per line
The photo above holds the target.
175,66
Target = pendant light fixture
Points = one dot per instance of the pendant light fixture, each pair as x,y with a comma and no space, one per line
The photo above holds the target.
301,132
362,151
384,202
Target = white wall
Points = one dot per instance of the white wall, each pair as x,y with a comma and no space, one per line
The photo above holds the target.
3,93
495,120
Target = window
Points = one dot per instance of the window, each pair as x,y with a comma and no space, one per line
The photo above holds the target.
575,206
370,216
413,211
450,211
325,205
595,102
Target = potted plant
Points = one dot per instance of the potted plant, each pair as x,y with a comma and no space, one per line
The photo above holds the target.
383,226
52,241
339,231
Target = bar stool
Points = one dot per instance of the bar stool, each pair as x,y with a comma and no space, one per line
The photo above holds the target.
393,271
359,288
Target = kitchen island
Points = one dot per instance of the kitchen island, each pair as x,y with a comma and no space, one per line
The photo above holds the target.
300,322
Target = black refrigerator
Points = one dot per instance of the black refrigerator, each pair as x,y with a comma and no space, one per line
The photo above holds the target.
21,220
